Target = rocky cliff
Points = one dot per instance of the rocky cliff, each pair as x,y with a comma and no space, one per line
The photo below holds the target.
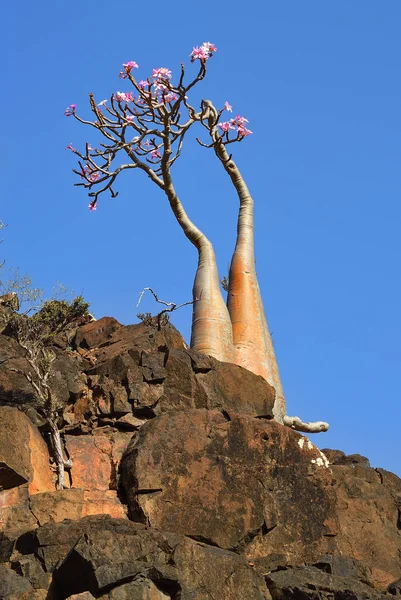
182,486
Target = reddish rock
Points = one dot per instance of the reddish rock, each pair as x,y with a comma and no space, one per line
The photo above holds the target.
15,513
23,453
227,481
96,333
53,507
92,463
103,502
368,508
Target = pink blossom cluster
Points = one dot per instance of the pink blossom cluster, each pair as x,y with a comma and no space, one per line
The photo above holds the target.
92,206
238,124
124,96
70,110
89,173
161,73
128,66
203,52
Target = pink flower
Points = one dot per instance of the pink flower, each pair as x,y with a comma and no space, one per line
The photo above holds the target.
198,54
128,68
124,97
243,132
130,117
94,176
226,126
70,110
131,65
170,97
203,52
155,154
228,106
161,73
92,206
102,103
159,87
143,84
70,147
239,121
210,47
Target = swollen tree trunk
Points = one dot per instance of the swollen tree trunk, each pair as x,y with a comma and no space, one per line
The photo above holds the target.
211,325
253,347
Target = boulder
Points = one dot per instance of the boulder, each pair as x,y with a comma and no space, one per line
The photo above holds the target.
225,480
14,387
13,585
96,333
118,559
368,503
310,583
24,456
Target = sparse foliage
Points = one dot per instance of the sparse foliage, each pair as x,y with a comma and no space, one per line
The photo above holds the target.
34,334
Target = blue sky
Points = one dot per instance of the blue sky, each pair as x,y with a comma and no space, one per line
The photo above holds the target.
320,85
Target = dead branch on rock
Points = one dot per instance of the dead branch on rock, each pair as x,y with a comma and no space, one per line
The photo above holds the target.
171,306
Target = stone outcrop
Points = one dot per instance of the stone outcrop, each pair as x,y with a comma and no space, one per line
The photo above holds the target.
182,485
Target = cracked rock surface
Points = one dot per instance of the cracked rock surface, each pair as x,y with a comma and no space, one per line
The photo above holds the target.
182,486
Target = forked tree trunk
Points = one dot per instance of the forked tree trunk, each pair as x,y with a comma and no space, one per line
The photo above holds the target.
253,346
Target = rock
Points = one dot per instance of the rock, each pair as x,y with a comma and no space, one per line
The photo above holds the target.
53,507
92,466
32,570
310,583
24,457
140,337
103,502
96,333
368,519
226,480
14,387
10,301
113,558
140,589
394,589
230,387
184,379
15,516
13,586
67,378
337,457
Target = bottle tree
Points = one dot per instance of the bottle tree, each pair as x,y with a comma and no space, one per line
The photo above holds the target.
145,129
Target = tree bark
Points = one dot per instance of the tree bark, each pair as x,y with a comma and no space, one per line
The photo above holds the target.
253,346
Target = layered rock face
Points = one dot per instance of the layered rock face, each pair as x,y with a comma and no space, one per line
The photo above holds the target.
182,486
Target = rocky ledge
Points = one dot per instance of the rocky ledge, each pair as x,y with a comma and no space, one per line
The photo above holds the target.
182,486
